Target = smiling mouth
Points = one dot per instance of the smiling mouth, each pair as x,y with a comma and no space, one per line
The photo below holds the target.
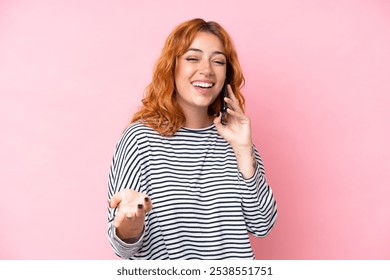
203,84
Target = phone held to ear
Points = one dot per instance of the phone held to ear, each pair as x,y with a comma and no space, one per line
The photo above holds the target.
223,103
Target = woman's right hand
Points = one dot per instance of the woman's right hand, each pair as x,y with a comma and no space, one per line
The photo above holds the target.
129,220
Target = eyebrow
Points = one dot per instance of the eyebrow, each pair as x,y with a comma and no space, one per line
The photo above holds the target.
199,50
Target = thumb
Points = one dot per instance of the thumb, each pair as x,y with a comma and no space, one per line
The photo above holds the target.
219,126
115,200
218,121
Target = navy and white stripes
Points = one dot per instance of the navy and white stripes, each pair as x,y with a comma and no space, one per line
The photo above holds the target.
202,206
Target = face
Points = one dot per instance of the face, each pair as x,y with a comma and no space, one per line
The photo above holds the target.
200,73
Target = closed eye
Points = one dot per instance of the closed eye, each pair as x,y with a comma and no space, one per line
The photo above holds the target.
219,62
192,59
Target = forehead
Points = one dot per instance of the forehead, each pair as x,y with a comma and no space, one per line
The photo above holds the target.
207,41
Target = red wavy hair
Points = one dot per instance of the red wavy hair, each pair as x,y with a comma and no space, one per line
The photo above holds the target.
160,109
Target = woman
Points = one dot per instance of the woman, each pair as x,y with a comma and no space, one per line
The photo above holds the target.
182,184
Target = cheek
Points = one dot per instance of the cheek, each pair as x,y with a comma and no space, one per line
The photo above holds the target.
184,70
222,73
181,83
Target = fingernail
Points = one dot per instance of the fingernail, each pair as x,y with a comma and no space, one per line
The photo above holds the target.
140,206
146,199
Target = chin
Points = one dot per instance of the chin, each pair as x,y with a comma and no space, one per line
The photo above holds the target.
204,104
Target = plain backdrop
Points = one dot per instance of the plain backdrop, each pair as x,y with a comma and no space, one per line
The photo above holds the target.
317,72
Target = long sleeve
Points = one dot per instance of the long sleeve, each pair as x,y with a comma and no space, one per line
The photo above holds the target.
258,203
124,173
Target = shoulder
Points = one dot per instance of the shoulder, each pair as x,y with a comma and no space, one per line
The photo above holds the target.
136,135
137,129
138,132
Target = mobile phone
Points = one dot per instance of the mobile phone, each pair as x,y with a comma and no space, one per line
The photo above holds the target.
223,103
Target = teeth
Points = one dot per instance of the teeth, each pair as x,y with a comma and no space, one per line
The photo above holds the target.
202,84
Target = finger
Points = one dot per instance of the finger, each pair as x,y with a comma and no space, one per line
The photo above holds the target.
233,105
140,211
130,213
231,93
236,114
243,119
148,205
115,200
118,218
218,122
233,113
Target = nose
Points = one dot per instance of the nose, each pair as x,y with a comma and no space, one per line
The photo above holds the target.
206,68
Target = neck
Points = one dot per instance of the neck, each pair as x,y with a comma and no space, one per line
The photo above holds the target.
198,120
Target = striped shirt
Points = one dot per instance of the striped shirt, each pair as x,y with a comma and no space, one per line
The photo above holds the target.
203,208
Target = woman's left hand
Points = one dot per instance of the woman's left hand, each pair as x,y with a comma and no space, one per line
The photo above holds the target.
237,130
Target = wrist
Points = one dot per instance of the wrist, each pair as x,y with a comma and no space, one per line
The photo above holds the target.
243,149
246,160
129,237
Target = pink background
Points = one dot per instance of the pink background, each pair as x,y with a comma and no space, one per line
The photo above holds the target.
318,92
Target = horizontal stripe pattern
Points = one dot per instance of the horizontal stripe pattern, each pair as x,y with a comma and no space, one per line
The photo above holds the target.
202,206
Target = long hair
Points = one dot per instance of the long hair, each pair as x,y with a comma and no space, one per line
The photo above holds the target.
160,109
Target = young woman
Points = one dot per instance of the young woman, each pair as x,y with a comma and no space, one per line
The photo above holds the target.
184,184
